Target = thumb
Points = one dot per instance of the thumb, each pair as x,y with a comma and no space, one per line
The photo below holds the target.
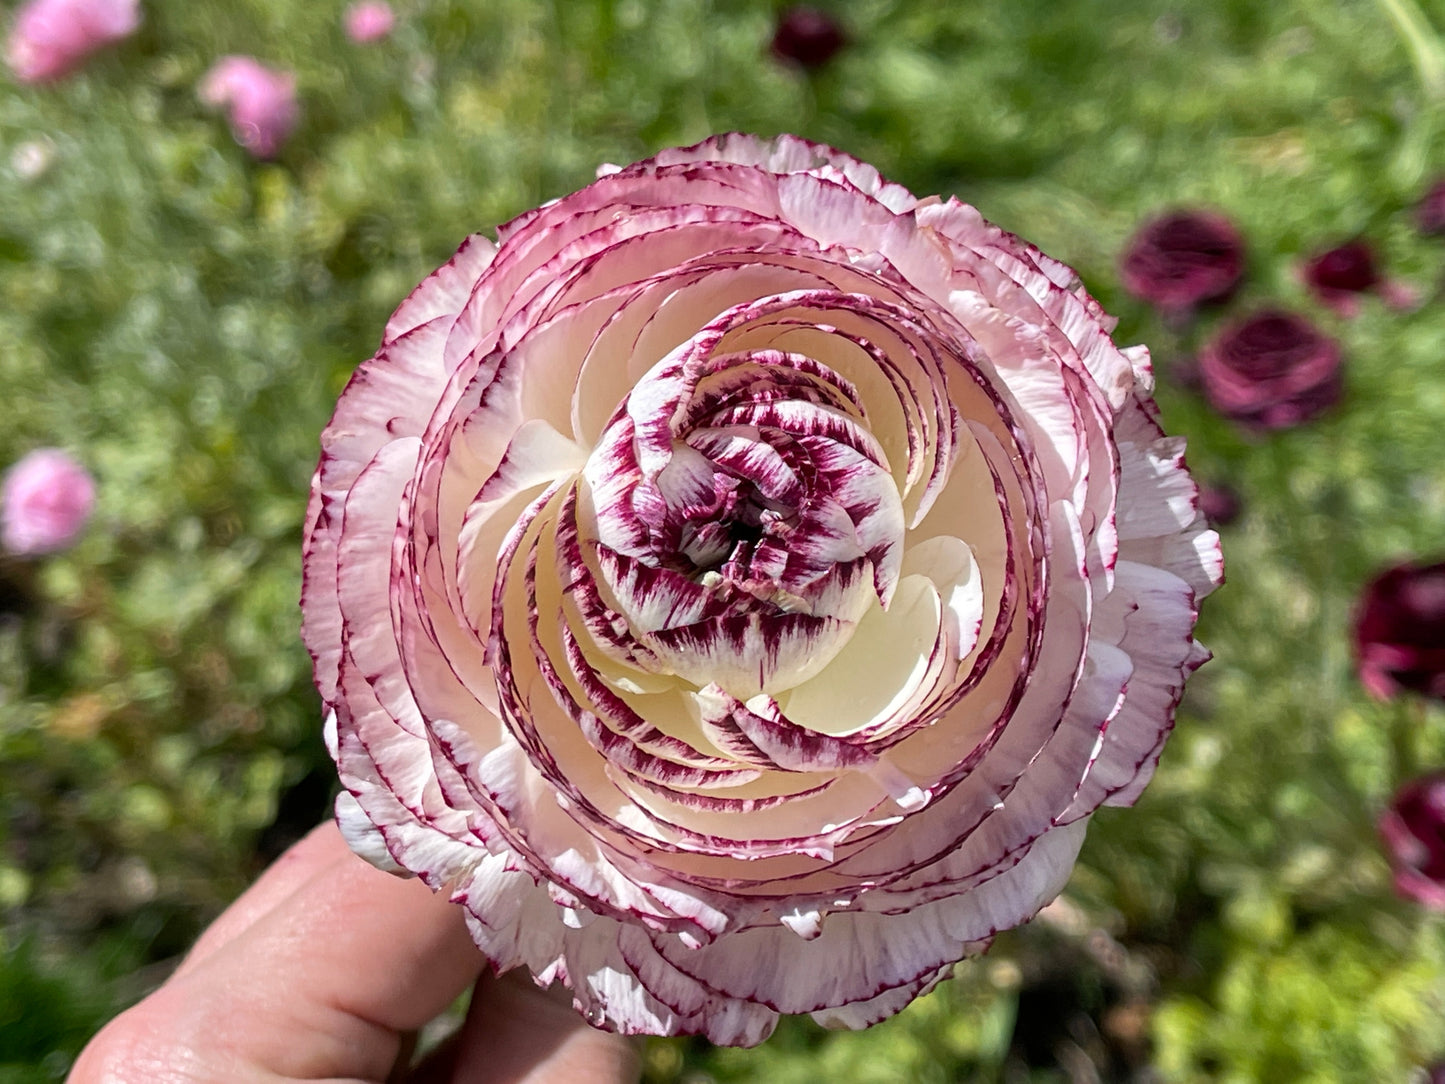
516,1033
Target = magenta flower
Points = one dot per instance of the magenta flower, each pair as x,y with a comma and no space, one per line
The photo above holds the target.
1413,829
738,585
1183,259
1273,370
51,38
807,37
1400,631
1430,212
260,102
48,498
368,21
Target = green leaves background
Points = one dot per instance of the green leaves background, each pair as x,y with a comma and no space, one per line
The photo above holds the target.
182,317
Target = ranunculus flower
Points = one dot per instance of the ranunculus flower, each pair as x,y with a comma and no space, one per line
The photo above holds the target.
1430,212
1274,369
260,102
1221,504
50,38
1400,631
1413,829
807,37
1338,276
368,21
1183,259
47,500
739,583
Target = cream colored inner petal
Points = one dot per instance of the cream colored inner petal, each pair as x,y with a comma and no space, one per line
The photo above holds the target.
878,669
948,564
655,322
934,749
536,456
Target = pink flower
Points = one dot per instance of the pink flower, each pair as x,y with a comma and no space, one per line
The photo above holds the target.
48,497
1413,829
369,21
52,37
1273,370
260,102
1183,259
739,584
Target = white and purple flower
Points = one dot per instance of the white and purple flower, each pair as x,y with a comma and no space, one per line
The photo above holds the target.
738,585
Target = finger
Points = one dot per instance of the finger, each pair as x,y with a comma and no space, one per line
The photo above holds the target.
516,1033
320,985
300,862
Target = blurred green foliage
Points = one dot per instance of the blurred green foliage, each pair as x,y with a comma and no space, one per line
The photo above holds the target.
182,317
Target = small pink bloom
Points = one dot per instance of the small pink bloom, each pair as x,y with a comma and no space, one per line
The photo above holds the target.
48,497
50,38
260,102
807,37
1183,259
368,21
1413,829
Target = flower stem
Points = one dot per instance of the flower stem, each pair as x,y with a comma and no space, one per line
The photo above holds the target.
1426,51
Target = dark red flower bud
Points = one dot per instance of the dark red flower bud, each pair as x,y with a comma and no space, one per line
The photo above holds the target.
1274,370
807,37
1182,260
1221,504
1430,213
1413,829
1335,274
1400,631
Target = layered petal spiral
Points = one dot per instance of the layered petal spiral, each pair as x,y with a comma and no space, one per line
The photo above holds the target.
738,584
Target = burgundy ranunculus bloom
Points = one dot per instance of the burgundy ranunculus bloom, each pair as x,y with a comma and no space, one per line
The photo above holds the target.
1339,276
1183,259
1220,504
1400,631
808,37
1430,212
738,584
1413,829
1274,369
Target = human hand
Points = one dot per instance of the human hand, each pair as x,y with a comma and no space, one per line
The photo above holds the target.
321,971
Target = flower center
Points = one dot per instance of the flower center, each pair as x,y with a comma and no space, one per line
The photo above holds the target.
722,540
745,519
